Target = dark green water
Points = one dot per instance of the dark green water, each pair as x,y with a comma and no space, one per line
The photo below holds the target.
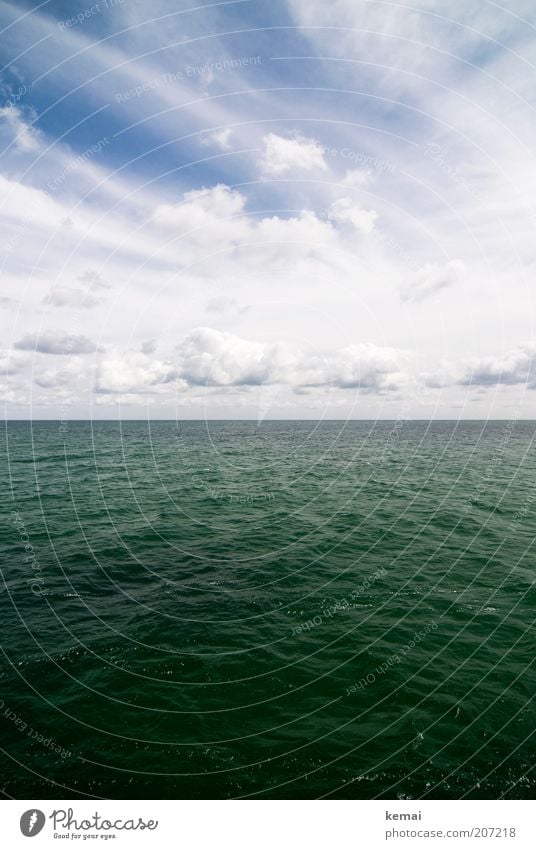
294,610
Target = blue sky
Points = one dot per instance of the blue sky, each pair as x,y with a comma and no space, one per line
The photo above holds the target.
252,210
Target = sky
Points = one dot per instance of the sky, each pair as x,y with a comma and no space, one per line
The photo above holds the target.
252,210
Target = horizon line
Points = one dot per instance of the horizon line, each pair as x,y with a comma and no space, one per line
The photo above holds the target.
66,422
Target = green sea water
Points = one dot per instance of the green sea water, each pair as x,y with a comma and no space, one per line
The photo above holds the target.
289,610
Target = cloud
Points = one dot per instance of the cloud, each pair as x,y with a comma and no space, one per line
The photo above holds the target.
29,205
93,280
70,376
129,399
56,342
148,347
358,178
208,216
214,220
220,138
430,279
365,366
282,155
25,137
401,37
224,304
456,134
276,242
83,297
10,363
515,367
213,358
132,373
345,211
66,296
370,367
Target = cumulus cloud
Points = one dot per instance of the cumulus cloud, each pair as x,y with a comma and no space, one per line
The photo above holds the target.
66,296
128,399
208,216
345,211
30,205
69,376
430,279
198,205
363,366
282,155
516,366
310,275
304,244
10,363
224,304
93,280
148,346
357,178
369,367
213,358
132,373
56,342
214,220
220,138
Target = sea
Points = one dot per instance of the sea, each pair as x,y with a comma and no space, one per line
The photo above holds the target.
274,610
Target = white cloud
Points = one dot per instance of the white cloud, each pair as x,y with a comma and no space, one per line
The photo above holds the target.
67,296
93,280
214,220
220,138
78,297
282,154
345,211
364,366
56,342
357,178
370,368
224,304
11,364
71,376
24,136
430,279
119,399
30,205
284,239
201,205
148,346
208,216
210,357
132,373
213,358
402,37
514,367
449,141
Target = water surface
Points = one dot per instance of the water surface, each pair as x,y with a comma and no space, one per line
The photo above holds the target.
290,610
